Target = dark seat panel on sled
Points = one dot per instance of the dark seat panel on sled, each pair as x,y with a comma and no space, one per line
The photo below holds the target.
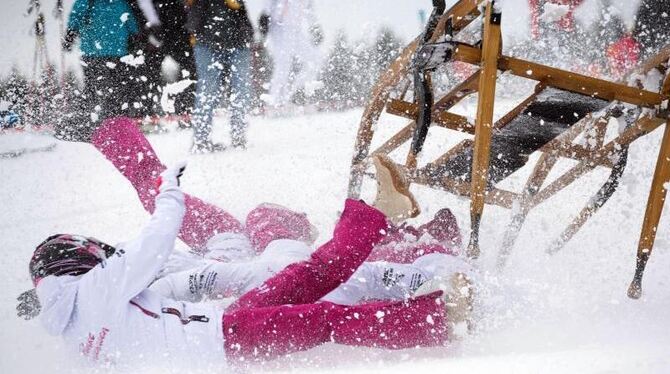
545,118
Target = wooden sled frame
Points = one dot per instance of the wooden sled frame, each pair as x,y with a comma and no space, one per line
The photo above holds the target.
422,112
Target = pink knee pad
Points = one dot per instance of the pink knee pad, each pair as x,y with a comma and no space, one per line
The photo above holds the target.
268,222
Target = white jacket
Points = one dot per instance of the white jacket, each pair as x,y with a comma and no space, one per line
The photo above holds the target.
109,316
217,279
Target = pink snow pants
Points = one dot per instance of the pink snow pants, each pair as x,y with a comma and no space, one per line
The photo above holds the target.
282,315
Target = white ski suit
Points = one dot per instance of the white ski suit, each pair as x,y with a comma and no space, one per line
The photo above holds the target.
108,315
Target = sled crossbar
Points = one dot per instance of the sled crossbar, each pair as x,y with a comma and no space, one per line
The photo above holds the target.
565,80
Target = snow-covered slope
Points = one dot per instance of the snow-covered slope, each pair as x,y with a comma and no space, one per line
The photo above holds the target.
562,313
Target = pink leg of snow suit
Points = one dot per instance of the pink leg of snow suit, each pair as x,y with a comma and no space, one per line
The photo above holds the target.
122,143
283,316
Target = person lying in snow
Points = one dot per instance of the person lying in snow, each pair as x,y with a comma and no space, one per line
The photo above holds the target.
96,296
271,237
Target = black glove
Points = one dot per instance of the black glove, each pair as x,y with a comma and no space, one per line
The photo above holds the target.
68,41
29,305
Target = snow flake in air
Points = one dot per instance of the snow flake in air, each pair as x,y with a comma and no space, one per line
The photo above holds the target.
132,60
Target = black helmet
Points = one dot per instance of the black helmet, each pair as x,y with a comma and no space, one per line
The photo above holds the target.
65,254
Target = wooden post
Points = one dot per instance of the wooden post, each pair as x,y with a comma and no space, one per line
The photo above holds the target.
484,123
652,216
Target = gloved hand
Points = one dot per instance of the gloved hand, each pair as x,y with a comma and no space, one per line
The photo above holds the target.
29,305
169,179
68,41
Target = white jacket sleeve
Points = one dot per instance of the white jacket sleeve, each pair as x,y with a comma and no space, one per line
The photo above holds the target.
134,266
213,280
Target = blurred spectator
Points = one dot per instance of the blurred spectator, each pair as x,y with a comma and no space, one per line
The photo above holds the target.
8,118
104,28
650,34
164,34
293,38
223,36
652,26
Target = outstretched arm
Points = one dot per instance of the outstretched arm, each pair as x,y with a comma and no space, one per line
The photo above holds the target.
215,279
136,264
212,280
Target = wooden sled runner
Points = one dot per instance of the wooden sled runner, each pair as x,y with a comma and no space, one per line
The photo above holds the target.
567,116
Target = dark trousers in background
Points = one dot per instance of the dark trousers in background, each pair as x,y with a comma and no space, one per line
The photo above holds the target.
108,87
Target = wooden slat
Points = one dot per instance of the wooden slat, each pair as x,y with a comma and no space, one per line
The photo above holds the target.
512,114
495,196
643,126
458,93
443,119
580,153
561,182
458,148
565,80
396,140
652,62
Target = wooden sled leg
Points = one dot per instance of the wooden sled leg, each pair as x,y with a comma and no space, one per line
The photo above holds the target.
594,204
653,213
484,124
540,173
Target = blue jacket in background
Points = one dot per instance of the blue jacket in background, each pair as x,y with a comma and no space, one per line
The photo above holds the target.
104,29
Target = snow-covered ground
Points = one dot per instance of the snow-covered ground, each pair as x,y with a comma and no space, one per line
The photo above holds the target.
544,314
